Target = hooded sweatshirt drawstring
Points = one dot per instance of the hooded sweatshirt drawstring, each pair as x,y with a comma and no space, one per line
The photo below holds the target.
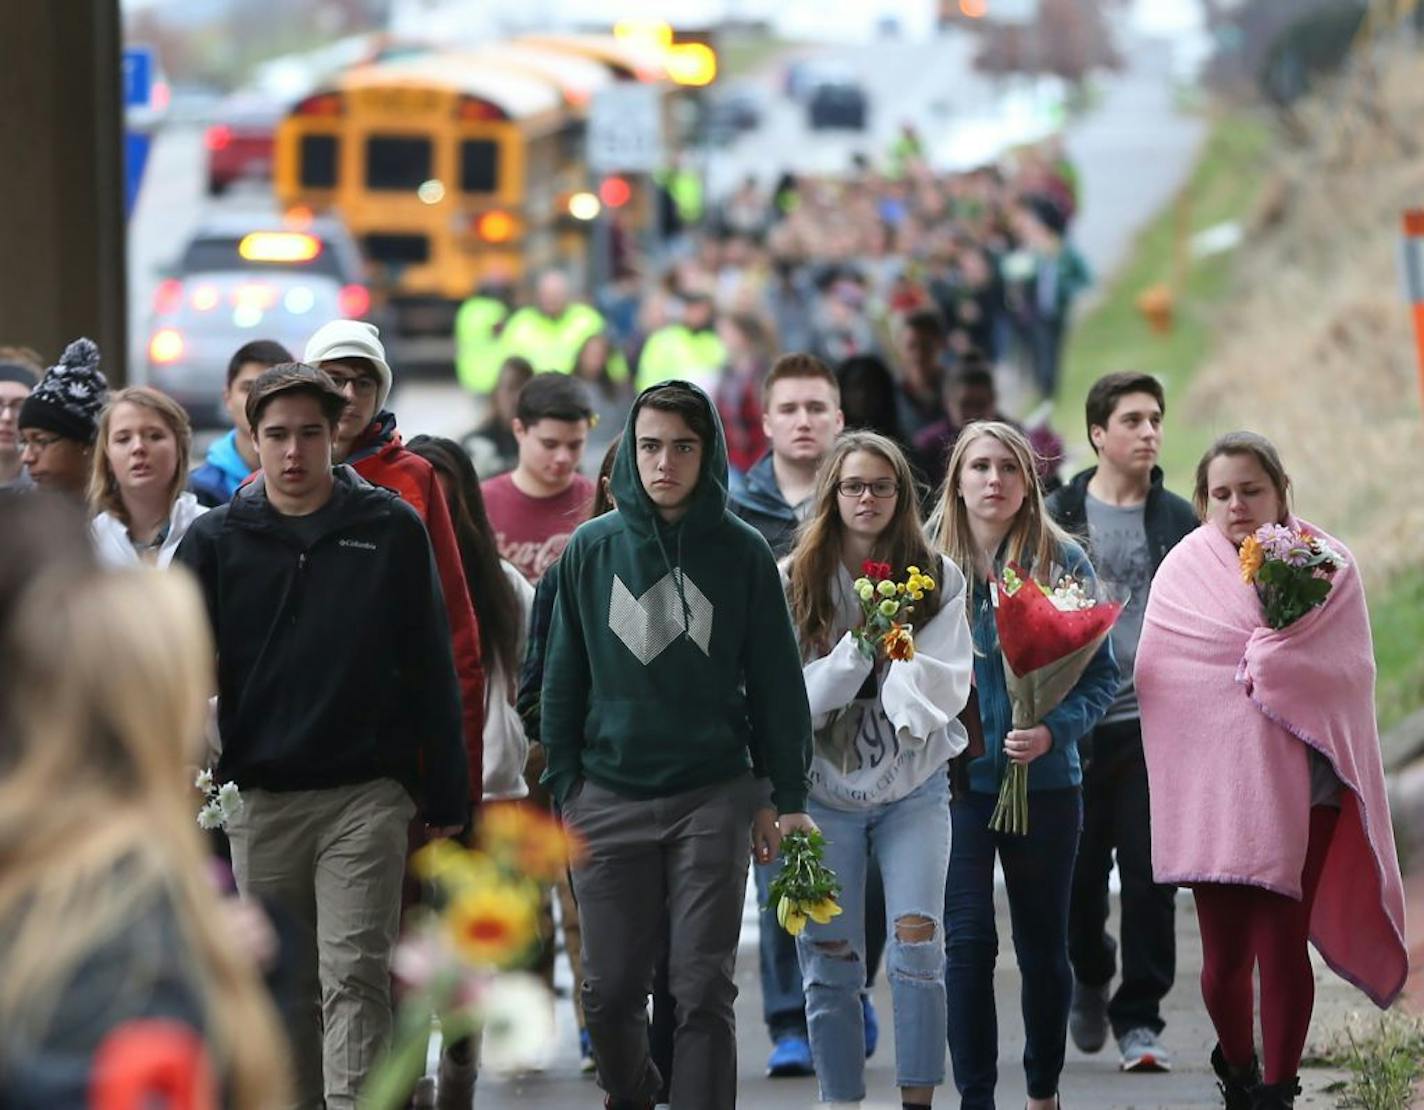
675,573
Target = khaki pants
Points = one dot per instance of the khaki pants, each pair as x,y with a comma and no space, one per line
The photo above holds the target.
333,859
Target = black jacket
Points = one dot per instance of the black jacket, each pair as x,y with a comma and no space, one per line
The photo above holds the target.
334,663
1166,518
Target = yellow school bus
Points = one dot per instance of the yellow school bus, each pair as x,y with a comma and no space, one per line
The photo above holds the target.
451,170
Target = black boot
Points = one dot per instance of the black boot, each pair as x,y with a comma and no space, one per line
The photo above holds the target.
1275,1096
1236,1083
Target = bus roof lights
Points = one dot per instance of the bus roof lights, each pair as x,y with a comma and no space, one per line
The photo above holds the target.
495,227
278,246
615,192
322,104
692,63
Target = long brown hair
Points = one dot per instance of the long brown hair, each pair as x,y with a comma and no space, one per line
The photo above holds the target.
497,607
106,701
1035,542
815,562
104,494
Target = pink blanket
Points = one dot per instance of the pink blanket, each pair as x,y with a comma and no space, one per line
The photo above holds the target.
1228,709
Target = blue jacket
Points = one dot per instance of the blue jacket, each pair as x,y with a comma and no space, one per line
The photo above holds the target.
1073,718
217,479
757,499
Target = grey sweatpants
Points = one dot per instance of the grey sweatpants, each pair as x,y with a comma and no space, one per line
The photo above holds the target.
682,861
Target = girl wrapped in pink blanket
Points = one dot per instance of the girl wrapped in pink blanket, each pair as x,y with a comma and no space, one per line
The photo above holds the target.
1267,790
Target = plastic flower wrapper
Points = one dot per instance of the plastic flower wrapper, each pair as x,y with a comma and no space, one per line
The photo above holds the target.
806,888
884,605
221,803
1292,569
1048,635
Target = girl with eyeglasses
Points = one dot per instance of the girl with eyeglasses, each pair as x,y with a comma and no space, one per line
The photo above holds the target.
885,731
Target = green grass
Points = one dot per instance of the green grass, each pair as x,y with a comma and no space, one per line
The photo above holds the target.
1115,335
1385,1059
1397,620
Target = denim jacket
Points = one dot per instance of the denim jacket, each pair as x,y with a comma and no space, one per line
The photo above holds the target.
1071,719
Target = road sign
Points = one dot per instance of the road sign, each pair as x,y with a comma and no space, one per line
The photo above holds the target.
625,130
138,76
136,144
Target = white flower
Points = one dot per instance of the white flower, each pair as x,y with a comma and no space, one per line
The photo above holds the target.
204,781
517,1012
229,800
210,816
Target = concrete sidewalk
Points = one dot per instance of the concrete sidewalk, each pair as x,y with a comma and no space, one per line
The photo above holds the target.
1088,1081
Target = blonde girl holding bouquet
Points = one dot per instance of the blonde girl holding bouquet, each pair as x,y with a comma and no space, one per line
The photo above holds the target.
886,726
990,514
1264,771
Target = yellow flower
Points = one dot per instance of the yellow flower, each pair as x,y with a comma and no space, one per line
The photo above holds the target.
821,912
929,583
912,570
886,588
493,924
1252,555
789,916
445,862
899,644
530,838
917,595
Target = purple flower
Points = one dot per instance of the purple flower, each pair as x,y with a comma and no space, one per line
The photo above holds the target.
1278,541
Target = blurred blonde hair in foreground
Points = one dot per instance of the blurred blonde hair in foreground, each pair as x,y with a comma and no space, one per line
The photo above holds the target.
107,675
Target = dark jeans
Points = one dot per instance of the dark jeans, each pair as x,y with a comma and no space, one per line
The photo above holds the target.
671,868
783,1001
1116,818
1038,871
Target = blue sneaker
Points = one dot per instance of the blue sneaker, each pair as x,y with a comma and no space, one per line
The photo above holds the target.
791,1057
585,1052
872,1025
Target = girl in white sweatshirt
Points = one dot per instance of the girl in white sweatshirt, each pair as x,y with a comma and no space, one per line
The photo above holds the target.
886,730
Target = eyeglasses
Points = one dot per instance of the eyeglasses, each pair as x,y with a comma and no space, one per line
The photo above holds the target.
41,444
855,487
361,383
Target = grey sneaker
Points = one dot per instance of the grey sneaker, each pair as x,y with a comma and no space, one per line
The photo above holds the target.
1142,1051
1088,1019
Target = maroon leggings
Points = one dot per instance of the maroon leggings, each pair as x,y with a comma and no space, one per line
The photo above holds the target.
1242,926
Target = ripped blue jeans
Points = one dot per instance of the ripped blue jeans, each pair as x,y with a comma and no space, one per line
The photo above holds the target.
910,840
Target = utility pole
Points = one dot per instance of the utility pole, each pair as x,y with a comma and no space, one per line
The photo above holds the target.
61,190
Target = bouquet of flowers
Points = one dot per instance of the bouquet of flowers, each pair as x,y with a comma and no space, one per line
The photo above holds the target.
1291,568
1047,636
884,605
806,888
220,803
458,960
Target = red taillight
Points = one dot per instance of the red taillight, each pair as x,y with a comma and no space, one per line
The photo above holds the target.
165,346
354,301
168,296
218,137
322,104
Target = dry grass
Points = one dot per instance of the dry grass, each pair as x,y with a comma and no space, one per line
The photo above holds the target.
1315,347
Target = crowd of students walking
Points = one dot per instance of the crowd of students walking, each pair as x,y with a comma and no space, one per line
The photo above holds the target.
665,653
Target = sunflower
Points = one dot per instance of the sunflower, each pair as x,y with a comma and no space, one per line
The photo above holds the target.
1252,555
492,925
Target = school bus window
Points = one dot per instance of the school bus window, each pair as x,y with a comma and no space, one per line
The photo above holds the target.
397,162
479,166
319,160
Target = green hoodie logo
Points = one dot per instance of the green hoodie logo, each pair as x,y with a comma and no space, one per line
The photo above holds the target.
648,625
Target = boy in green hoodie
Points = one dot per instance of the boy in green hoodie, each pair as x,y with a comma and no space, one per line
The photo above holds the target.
672,694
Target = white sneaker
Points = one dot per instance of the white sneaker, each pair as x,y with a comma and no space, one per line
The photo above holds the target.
1143,1052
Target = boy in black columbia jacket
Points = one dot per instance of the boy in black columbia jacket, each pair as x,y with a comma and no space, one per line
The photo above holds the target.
338,704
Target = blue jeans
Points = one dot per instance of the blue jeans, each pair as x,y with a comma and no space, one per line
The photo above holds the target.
783,1005
1038,871
910,840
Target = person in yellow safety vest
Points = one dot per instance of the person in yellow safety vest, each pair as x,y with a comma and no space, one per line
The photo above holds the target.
550,332
690,349
477,328
907,147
